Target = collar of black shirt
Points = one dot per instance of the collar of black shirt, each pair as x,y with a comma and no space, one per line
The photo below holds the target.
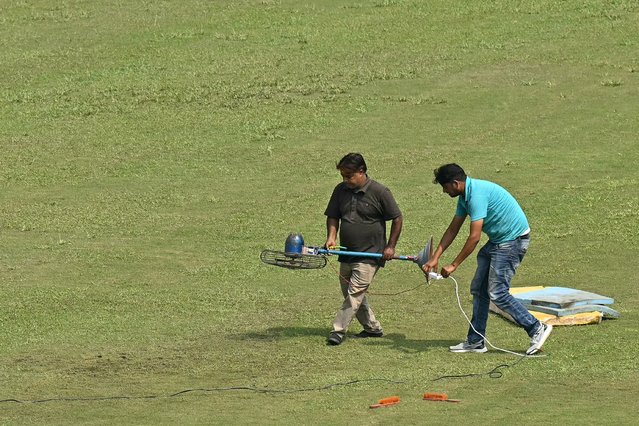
364,187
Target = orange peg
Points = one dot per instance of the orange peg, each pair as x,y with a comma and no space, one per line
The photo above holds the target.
442,397
386,402
436,396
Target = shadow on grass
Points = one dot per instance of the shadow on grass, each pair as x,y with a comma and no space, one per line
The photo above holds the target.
401,343
277,333
394,340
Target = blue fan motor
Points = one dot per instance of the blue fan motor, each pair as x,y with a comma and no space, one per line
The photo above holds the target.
294,243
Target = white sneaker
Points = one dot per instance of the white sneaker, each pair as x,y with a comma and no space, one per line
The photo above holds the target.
478,347
538,339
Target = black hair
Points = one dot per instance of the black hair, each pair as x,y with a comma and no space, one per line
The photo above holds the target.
352,161
449,173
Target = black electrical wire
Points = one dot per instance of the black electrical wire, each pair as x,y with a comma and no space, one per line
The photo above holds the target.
185,391
495,373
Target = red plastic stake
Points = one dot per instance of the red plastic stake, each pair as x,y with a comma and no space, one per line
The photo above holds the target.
440,397
386,402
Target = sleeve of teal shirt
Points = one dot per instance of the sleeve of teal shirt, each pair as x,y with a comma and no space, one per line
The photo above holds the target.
478,208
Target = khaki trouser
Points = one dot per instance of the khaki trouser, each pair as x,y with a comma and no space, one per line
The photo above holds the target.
355,278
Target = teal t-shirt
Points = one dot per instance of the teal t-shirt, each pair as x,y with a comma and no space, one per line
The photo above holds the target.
504,220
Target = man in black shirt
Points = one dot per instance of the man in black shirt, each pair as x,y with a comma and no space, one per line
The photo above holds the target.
362,207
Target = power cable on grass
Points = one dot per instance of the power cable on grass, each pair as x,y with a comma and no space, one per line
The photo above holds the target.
185,391
495,373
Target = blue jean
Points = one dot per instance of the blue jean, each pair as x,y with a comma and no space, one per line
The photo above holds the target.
496,266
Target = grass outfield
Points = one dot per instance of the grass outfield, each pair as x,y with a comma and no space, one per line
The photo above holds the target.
151,150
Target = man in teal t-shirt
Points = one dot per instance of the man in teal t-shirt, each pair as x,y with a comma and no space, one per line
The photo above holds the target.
495,212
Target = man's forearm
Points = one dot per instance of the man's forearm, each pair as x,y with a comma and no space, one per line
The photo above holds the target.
468,248
447,239
471,242
332,226
395,231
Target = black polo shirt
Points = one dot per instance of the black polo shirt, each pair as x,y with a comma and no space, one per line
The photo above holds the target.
363,213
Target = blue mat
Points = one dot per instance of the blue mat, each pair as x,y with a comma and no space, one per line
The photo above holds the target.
562,297
607,311
562,301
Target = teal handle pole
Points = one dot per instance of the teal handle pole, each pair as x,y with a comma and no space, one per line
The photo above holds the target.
362,254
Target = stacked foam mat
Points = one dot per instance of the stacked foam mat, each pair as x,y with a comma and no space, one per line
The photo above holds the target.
562,306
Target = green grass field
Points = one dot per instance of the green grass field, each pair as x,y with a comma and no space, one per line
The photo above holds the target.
151,150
